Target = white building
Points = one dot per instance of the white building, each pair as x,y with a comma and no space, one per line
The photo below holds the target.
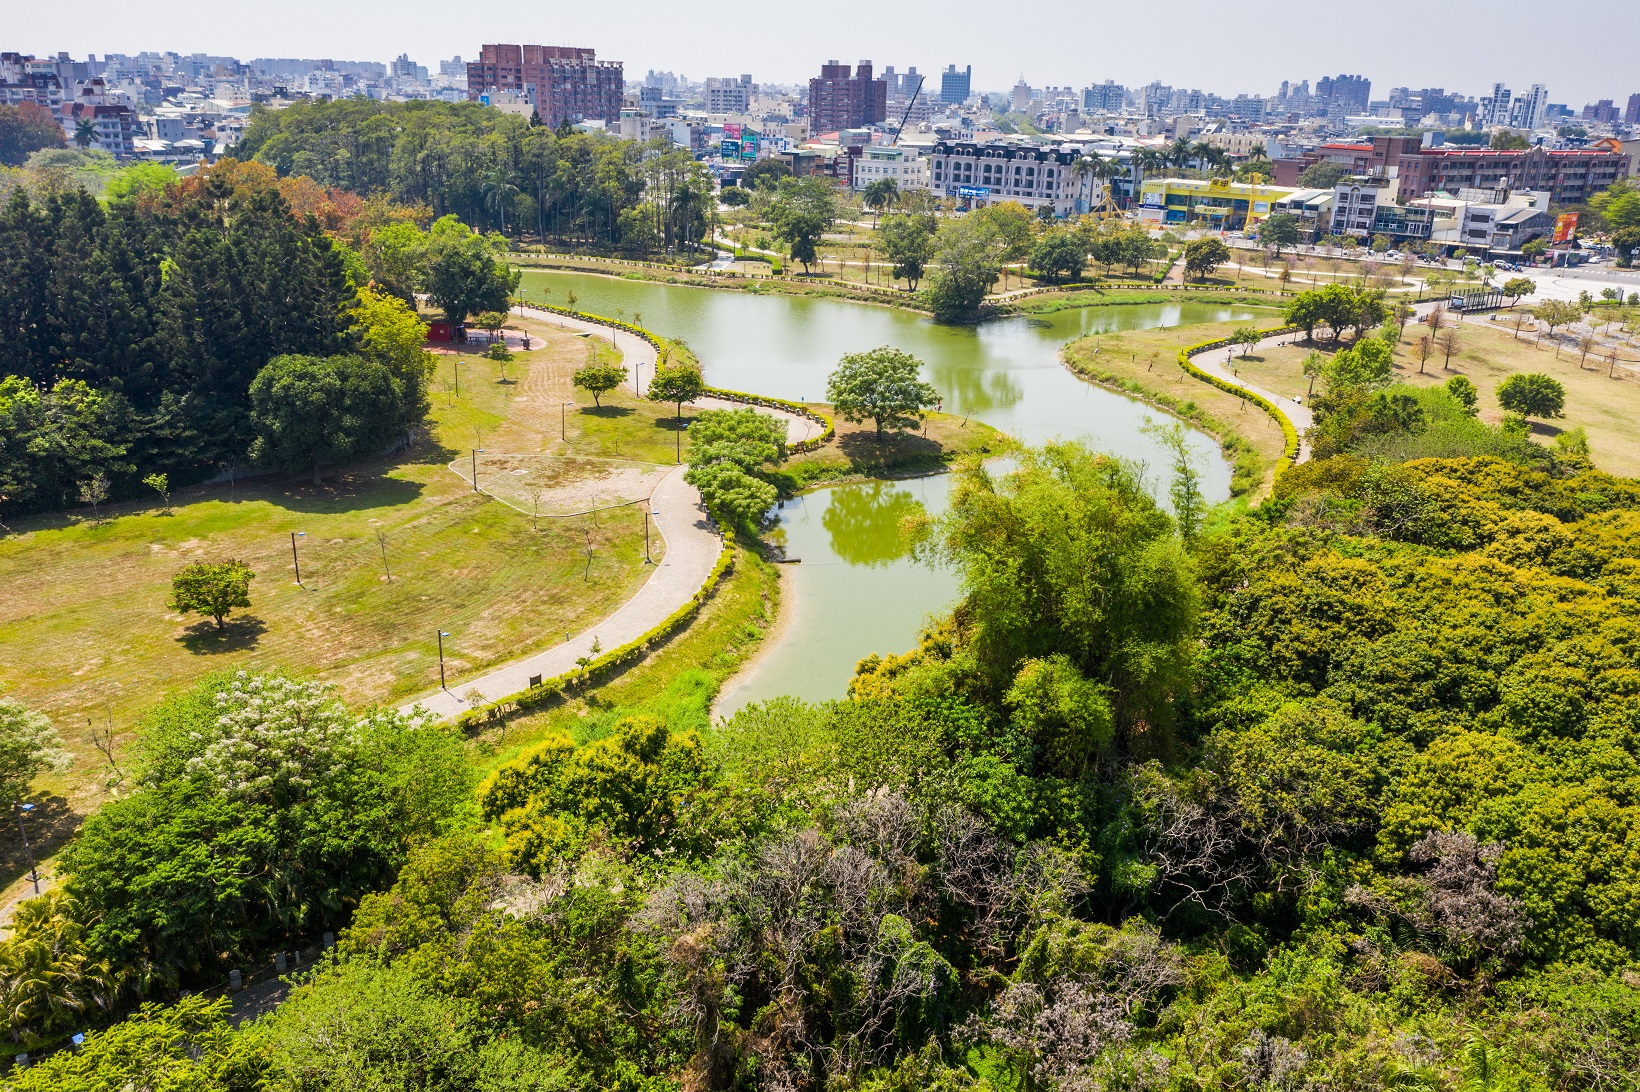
908,170
990,173
728,96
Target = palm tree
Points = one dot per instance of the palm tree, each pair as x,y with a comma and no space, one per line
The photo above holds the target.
1180,152
498,194
85,133
879,195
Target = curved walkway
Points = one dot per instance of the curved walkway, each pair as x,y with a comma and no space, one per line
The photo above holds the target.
1297,414
692,548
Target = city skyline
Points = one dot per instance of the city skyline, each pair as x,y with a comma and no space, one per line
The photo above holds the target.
1249,57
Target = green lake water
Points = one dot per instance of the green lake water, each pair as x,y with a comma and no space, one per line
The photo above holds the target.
855,592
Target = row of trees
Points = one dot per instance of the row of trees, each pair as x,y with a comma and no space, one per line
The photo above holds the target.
497,172
138,329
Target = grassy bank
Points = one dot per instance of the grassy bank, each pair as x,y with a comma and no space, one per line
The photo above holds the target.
1144,364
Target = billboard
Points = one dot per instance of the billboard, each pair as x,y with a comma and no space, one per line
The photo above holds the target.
1565,227
729,149
731,131
748,146
973,191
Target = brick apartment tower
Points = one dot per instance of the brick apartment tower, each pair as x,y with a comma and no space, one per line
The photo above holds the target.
838,100
569,82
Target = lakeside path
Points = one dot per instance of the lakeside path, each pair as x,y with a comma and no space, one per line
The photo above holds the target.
692,548
1299,416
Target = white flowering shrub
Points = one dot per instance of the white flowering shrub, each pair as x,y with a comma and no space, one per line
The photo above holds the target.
274,739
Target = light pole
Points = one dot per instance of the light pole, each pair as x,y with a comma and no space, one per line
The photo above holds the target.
646,514
477,451
563,429
456,362
441,636
34,872
294,535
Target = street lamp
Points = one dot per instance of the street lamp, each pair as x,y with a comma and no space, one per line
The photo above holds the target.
646,514
34,872
563,429
477,451
294,535
456,361
441,636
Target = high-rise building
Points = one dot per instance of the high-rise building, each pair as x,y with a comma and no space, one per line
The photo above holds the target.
1604,112
1104,98
452,67
725,95
1528,110
955,87
1494,109
1344,94
1631,116
1021,100
839,99
568,83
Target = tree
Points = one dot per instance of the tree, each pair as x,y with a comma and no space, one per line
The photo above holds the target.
491,323
880,194
160,484
1557,313
1186,489
1450,341
1532,394
1517,287
85,133
802,212
93,491
308,411
52,440
29,746
1505,141
765,174
907,240
1313,367
1626,242
1203,256
1464,393
599,379
1368,364
734,197
1246,337
1059,255
24,130
1011,228
679,383
391,334
1321,176
464,274
1280,230
881,385
1533,249
969,256
728,450
213,589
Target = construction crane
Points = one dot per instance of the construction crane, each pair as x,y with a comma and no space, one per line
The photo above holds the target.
907,113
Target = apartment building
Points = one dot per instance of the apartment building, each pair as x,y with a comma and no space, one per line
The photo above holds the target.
568,83
908,170
978,174
843,99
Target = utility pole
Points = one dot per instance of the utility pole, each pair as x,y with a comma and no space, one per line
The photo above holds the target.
441,636
294,535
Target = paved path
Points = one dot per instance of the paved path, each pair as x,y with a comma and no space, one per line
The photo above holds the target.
1297,414
636,353
692,549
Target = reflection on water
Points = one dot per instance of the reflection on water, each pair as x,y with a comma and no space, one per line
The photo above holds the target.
864,522
1005,373
854,591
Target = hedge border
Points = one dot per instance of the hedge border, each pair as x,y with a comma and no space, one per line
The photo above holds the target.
797,408
614,661
1289,434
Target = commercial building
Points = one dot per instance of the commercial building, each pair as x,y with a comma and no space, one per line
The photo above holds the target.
568,83
978,174
1219,202
1570,175
955,87
1311,208
908,170
1631,115
841,99
728,96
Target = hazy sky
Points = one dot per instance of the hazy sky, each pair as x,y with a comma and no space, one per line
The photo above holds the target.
1584,49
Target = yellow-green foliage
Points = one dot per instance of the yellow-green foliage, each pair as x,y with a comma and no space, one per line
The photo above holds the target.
1289,434
627,788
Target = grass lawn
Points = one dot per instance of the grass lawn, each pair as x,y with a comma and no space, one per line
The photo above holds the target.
677,684
86,635
1146,363
1607,408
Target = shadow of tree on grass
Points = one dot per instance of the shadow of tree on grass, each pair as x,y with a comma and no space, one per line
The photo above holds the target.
237,634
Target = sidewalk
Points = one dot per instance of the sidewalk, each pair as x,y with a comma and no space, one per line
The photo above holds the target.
1299,416
692,548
